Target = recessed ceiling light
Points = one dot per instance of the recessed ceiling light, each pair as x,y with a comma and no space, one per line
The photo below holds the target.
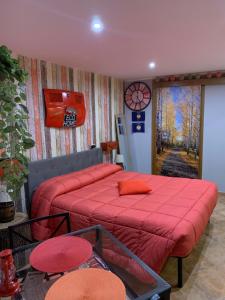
152,65
97,25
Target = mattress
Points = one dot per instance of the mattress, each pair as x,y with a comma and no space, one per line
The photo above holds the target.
168,221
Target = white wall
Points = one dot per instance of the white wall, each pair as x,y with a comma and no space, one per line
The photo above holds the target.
140,143
214,136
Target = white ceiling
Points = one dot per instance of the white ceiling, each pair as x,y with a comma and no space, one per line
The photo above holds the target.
179,35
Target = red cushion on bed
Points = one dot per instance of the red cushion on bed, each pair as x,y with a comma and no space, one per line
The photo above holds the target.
132,187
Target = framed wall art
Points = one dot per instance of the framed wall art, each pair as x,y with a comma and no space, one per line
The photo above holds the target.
177,131
64,108
138,127
138,116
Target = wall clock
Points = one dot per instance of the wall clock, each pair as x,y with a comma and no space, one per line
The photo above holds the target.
137,96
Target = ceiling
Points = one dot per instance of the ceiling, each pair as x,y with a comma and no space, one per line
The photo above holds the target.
180,36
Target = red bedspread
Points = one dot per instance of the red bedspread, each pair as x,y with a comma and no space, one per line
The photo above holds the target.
166,222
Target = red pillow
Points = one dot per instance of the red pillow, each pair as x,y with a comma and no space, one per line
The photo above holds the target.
132,187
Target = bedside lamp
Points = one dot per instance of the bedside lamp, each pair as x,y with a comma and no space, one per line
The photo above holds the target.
109,149
120,160
109,146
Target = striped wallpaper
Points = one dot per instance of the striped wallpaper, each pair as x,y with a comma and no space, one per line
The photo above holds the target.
103,99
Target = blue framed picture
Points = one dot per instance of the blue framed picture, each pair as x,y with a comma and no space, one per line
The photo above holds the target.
138,116
138,127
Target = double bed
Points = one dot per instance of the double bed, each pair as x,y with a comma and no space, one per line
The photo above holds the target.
166,222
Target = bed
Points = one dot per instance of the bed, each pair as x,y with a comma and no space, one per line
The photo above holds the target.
168,221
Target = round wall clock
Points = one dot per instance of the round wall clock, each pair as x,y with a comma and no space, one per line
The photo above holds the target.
137,96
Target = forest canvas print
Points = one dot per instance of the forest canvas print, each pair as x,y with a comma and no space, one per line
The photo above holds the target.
178,131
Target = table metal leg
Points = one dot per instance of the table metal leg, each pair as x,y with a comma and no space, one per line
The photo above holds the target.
180,272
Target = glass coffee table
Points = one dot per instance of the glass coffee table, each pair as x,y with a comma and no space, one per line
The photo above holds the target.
140,280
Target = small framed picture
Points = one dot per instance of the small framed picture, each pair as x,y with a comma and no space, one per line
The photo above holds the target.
138,116
138,127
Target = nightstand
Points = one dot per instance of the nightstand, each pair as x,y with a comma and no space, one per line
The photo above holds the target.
4,237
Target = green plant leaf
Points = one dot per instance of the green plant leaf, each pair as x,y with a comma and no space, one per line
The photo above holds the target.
8,129
3,114
26,171
24,108
18,99
2,124
4,155
14,135
2,145
8,107
23,96
28,143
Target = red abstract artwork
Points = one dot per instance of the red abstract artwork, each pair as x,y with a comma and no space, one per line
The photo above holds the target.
64,108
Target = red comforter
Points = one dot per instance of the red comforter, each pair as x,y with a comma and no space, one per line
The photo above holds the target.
166,222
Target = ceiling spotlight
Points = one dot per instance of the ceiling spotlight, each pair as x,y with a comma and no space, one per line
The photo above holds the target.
152,65
97,25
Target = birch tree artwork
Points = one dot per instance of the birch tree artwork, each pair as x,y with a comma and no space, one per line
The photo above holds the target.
178,131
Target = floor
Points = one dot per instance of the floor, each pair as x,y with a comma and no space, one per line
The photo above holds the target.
204,268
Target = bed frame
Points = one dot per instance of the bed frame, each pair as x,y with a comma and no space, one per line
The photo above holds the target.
42,170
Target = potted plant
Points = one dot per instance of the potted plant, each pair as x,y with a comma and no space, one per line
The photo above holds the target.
14,136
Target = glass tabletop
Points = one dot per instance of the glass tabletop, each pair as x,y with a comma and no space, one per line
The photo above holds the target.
141,281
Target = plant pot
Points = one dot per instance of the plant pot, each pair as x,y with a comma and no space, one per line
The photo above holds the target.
7,211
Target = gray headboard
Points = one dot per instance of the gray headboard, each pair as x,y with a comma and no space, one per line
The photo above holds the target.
41,170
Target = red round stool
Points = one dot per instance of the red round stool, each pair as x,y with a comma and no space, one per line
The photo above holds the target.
89,284
60,254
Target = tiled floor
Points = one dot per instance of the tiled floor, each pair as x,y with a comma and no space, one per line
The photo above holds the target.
204,268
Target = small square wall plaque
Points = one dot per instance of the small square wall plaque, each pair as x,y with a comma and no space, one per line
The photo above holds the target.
138,116
138,127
